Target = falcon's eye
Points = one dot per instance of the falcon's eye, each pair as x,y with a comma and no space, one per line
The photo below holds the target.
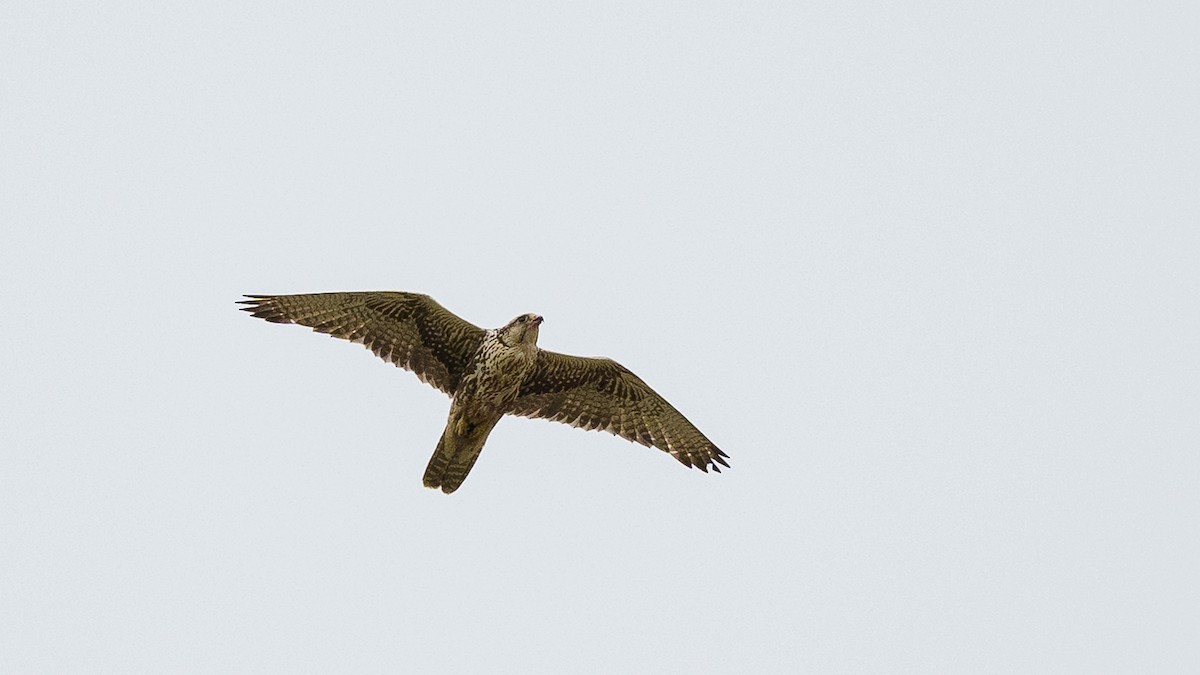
522,319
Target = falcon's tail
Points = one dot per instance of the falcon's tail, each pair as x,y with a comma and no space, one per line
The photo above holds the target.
459,447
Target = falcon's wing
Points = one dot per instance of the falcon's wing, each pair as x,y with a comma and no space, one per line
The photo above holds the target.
602,394
408,329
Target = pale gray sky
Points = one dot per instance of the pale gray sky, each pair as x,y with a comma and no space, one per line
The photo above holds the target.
927,273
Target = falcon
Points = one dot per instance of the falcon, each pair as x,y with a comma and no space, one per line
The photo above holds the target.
492,373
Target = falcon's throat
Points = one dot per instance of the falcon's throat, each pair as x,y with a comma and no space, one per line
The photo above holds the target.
531,330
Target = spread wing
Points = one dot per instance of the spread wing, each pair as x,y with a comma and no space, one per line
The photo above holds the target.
602,394
408,329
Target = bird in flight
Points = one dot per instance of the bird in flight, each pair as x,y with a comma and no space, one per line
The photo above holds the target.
491,373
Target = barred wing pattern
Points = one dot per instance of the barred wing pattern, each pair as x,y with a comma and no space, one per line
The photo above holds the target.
601,394
410,330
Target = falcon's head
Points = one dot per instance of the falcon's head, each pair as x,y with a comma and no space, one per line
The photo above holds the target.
521,330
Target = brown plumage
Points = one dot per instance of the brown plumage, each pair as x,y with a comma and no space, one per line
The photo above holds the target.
492,373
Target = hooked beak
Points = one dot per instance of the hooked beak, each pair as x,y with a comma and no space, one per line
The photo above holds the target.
537,321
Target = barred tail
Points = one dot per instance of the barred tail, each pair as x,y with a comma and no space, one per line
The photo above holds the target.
459,447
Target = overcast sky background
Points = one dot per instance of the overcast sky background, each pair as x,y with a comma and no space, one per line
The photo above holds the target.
927,273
